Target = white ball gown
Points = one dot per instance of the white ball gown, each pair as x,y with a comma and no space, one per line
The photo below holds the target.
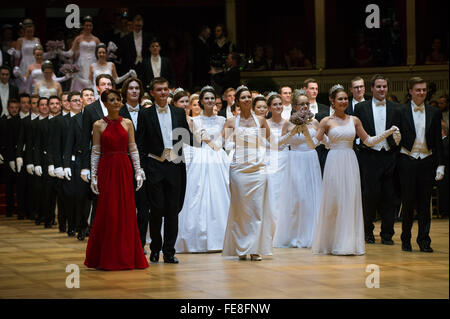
98,69
27,56
250,225
276,160
340,227
85,59
203,218
301,195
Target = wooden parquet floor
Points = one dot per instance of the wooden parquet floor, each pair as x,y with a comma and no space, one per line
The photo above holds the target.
33,264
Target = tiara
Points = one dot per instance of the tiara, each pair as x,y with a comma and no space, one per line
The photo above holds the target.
259,95
336,87
242,87
271,94
177,90
299,92
208,87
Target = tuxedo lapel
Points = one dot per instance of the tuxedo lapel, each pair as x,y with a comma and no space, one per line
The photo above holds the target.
155,120
174,119
124,112
369,113
428,118
410,119
79,120
98,109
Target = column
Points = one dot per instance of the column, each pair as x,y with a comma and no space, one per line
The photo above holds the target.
410,32
230,16
319,11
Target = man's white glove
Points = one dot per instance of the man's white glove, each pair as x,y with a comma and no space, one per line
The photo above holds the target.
59,172
440,172
38,170
19,162
67,173
30,169
12,164
94,185
51,170
2,160
85,175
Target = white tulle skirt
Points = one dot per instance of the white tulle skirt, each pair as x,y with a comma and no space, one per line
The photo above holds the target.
340,227
299,200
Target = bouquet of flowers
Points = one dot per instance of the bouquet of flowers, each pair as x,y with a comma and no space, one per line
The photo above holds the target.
69,68
301,117
54,45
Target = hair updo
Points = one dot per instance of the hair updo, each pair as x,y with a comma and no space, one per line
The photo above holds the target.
239,91
47,64
203,91
98,47
335,89
296,95
271,97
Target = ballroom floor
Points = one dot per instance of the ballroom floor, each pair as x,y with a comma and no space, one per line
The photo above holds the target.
33,264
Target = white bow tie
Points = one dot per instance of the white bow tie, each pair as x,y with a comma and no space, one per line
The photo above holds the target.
163,109
133,109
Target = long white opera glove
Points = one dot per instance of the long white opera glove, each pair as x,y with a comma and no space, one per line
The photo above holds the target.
313,142
19,162
2,159
85,175
30,169
120,79
286,137
59,172
138,171
373,140
51,170
12,164
67,173
38,170
95,158
440,172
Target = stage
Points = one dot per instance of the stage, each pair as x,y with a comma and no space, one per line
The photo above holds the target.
33,263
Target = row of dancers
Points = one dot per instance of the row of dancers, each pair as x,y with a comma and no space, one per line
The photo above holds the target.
231,191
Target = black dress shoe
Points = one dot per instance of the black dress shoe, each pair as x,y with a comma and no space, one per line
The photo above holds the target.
88,232
406,247
426,249
387,241
81,235
170,259
54,223
71,233
37,222
62,229
154,257
370,239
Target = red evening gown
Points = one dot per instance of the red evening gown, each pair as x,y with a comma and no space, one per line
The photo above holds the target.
114,242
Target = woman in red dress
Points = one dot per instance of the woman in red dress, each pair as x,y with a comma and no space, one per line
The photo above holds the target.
114,242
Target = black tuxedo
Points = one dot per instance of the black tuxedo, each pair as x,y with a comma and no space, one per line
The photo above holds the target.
166,72
59,126
322,152
227,79
417,175
201,65
30,158
166,181
127,52
140,197
9,134
349,110
13,93
76,188
377,171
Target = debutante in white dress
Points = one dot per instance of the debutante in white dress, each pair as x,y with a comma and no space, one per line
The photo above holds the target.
340,228
250,225
300,198
26,53
276,160
46,92
85,59
203,218
98,69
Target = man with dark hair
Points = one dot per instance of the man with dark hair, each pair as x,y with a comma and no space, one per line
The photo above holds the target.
311,86
421,162
230,77
164,167
87,96
157,66
133,48
132,93
7,90
377,163
201,63
78,205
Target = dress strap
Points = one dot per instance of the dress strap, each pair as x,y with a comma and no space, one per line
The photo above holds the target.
256,120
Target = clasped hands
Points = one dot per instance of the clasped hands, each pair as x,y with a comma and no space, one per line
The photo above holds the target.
139,176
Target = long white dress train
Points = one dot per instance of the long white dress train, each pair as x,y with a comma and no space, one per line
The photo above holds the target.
250,225
301,195
203,218
340,227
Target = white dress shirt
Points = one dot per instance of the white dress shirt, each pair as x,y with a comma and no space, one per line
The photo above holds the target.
23,115
156,65
165,123
314,108
104,109
419,149
379,119
4,95
133,114
72,114
286,114
229,112
34,115
138,43
64,113
354,102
